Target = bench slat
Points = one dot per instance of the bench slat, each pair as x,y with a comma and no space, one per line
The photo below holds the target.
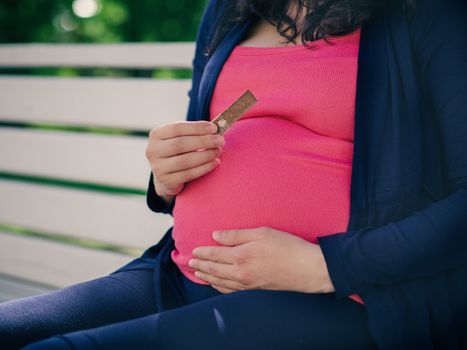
53,263
139,103
118,219
14,288
128,55
128,103
103,159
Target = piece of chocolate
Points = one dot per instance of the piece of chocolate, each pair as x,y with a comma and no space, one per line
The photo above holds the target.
228,117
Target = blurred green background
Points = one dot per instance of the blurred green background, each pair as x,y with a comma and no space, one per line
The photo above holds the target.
100,21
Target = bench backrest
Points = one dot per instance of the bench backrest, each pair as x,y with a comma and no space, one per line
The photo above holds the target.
72,204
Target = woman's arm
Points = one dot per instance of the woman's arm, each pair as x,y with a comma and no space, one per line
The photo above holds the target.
434,239
155,202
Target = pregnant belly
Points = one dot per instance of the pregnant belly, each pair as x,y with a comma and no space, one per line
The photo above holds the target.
273,173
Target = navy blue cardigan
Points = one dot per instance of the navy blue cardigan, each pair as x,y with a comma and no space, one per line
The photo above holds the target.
405,248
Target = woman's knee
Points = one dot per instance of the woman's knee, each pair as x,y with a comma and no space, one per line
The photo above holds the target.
108,299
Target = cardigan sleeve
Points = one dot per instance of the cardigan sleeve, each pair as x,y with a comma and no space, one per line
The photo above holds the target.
434,239
155,202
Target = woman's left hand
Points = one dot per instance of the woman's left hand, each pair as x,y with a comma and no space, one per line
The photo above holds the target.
262,258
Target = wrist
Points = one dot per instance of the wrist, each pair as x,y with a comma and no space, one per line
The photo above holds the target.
168,199
320,280
327,286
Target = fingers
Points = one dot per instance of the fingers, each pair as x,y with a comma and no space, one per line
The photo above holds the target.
189,160
221,282
222,290
186,175
184,144
183,128
182,151
218,254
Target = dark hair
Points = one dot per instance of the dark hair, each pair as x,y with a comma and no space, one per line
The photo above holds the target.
322,19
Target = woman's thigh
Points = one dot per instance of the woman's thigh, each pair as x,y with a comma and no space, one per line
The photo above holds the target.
112,298
253,319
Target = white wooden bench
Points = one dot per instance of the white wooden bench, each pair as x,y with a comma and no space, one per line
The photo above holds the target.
56,233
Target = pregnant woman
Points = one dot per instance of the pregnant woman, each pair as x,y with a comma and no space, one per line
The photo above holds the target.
332,215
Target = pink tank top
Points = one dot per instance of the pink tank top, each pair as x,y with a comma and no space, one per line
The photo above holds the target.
287,161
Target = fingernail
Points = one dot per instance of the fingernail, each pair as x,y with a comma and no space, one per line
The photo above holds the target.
212,127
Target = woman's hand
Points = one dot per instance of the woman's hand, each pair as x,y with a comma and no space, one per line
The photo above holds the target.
182,151
262,258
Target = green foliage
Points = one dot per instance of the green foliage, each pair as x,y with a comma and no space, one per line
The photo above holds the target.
55,21
116,21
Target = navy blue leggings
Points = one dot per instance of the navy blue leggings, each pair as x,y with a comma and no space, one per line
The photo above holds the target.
119,311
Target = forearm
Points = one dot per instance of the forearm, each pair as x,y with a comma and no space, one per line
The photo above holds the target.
432,239
429,241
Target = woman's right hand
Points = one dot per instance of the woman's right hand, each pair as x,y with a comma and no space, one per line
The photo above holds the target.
181,151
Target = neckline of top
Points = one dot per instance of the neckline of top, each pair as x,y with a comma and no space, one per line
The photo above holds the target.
266,50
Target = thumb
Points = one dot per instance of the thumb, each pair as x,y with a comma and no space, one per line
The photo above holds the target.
236,237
